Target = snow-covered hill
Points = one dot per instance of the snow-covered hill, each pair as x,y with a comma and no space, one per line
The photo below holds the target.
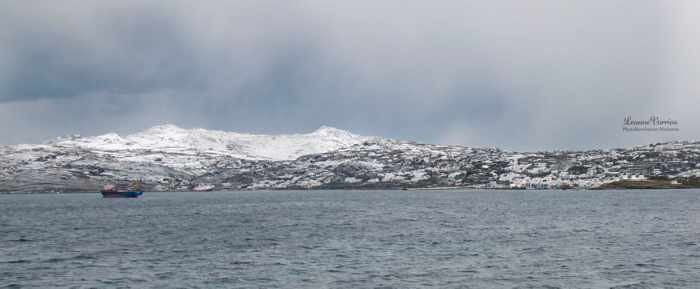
175,140
169,158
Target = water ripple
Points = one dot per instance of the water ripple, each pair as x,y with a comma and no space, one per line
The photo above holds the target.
351,239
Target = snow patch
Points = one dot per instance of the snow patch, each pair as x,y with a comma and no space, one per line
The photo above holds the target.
172,139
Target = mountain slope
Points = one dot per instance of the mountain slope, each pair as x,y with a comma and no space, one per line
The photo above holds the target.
172,139
168,158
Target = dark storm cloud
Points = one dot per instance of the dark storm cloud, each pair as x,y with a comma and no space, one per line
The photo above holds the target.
516,74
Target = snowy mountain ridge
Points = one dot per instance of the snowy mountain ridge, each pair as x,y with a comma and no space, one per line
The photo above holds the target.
169,158
173,139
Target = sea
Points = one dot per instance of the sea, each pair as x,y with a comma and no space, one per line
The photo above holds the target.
353,239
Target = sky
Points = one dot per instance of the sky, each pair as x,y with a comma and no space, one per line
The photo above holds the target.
519,75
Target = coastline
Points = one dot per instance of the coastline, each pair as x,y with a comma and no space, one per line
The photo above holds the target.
606,187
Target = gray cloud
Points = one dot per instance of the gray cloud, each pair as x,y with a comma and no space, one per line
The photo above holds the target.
514,74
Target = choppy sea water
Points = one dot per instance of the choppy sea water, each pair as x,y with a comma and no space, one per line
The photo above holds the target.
353,239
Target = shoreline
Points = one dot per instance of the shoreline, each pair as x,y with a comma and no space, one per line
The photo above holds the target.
610,188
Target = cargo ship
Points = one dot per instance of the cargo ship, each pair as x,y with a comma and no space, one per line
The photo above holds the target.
133,191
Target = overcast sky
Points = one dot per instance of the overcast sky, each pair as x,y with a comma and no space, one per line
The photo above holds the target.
520,75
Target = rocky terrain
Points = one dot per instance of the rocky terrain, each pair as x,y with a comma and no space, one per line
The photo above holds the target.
169,158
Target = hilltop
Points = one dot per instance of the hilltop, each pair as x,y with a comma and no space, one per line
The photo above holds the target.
170,158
